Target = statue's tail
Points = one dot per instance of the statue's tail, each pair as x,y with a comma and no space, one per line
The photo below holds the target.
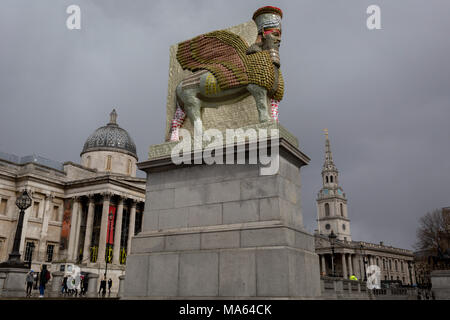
177,122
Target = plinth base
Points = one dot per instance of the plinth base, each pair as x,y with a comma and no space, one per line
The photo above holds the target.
223,231
12,282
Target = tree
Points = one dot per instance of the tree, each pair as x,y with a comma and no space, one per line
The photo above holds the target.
431,226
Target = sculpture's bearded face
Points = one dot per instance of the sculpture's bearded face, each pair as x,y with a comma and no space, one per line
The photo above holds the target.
271,41
272,38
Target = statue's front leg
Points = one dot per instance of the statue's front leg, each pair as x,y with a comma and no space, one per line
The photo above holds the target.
260,95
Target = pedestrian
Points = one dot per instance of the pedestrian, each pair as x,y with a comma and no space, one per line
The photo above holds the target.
64,286
109,286
43,279
103,286
29,280
85,284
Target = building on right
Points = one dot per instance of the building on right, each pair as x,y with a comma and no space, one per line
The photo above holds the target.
339,255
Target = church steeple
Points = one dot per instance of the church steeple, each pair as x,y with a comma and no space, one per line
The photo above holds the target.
331,199
329,171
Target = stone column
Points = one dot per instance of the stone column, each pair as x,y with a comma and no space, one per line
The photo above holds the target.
344,267
89,227
324,269
46,216
103,228
73,222
131,226
350,267
118,232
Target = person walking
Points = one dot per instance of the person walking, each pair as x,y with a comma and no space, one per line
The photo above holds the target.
29,280
103,286
64,286
109,286
43,279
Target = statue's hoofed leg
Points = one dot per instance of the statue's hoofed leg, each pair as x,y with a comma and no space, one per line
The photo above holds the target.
177,122
260,95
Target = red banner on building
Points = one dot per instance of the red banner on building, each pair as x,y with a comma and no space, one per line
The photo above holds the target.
110,232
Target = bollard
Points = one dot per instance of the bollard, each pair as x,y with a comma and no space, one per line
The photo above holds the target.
121,286
92,285
57,279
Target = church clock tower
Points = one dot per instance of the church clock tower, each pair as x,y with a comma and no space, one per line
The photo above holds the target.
331,200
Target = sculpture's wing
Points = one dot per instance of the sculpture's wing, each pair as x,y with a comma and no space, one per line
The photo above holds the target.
220,52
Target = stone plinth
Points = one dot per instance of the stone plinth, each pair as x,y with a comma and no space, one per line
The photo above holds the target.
223,231
121,286
13,280
440,284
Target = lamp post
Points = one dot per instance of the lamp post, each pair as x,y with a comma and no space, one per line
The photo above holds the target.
23,202
364,261
332,237
110,219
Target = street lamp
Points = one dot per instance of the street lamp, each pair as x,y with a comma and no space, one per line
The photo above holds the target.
110,218
364,260
23,202
332,237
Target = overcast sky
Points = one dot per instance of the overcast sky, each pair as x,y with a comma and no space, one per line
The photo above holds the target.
383,94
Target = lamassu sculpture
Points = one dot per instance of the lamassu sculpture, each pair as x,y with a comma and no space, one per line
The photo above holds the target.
226,69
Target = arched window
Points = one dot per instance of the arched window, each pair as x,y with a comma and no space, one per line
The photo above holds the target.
327,209
129,166
331,179
396,266
342,210
108,163
326,179
88,164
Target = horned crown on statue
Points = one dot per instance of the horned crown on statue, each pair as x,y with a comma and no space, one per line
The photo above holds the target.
225,70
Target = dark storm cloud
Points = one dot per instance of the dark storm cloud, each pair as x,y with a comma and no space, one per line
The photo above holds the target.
384,94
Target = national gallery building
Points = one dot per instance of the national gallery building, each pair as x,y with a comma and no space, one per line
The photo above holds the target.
82,213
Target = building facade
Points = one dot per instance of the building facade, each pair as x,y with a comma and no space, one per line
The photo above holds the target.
348,257
80,213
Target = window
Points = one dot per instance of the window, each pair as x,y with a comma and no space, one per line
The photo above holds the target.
384,264
129,167
88,161
327,226
36,209
138,223
331,179
50,249
55,214
343,226
327,209
326,179
3,204
108,163
29,249
396,266
342,210
390,265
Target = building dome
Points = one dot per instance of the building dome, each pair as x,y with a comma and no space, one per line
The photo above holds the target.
110,138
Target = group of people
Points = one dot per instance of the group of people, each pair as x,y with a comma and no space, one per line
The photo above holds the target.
71,285
102,288
44,277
